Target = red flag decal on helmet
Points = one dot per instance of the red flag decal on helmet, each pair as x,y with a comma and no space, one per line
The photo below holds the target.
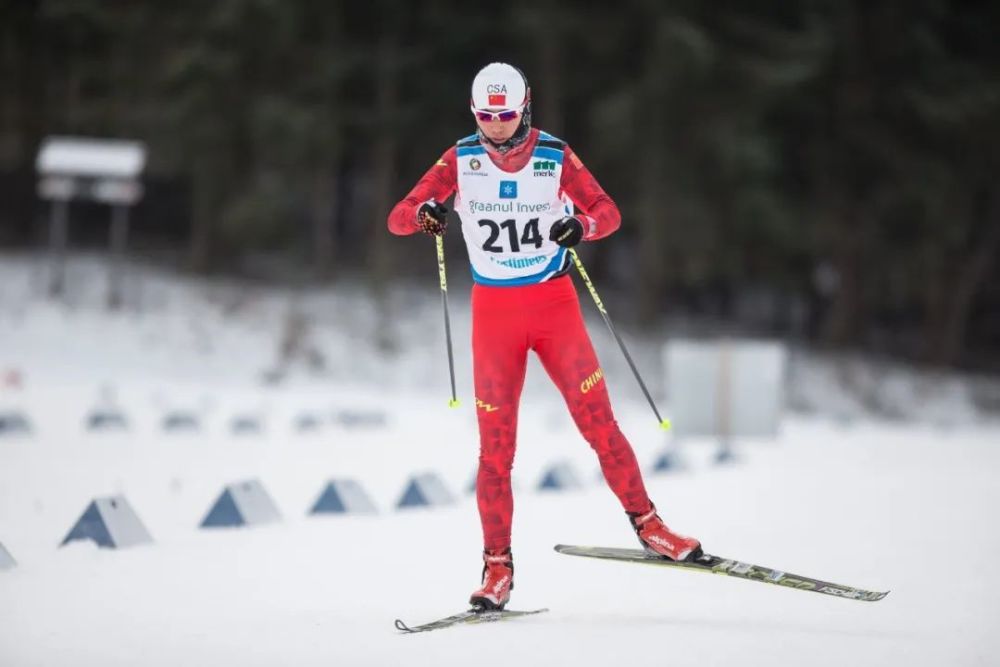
497,100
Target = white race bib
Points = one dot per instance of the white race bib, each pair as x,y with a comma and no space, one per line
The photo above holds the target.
506,217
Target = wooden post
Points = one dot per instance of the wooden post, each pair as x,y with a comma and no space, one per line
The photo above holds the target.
119,238
58,233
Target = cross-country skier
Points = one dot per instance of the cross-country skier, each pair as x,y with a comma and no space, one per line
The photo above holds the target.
515,188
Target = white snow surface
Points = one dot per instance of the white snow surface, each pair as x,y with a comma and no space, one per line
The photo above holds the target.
874,504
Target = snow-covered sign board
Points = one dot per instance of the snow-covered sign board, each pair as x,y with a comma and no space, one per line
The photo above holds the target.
105,170
101,170
726,388
94,158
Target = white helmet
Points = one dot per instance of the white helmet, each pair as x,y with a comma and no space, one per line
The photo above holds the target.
499,86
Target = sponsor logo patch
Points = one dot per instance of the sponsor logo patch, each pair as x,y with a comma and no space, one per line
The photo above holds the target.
656,539
544,168
500,584
508,189
521,262
475,164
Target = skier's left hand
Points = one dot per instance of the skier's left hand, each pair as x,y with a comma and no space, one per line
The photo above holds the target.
567,231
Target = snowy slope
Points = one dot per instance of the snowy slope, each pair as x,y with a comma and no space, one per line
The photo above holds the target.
882,506
872,507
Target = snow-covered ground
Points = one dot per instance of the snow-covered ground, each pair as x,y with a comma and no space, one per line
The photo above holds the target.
901,506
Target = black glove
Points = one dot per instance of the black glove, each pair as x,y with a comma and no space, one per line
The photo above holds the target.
432,217
567,231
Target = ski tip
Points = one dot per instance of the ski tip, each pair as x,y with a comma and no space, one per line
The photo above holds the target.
866,596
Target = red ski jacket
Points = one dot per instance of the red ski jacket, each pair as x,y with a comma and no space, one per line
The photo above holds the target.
600,215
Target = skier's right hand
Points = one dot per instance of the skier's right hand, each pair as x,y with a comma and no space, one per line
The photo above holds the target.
432,218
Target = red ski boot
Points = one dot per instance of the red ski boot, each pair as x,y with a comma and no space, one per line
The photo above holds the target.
498,580
658,540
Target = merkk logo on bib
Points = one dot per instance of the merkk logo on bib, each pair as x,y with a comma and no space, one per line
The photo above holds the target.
544,168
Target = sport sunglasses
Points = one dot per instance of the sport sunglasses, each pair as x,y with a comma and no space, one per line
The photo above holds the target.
502,116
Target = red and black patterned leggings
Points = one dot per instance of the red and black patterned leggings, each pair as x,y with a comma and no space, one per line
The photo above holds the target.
546,318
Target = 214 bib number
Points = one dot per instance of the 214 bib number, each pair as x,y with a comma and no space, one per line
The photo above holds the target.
529,236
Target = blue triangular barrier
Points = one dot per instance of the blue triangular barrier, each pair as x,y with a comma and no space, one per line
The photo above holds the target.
667,461
111,523
361,418
14,423
343,496
106,420
725,455
559,477
6,560
242,504
424,491
224,512
307,422
246,425
181,421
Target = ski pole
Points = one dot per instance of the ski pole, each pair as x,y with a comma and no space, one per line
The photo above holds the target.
453,403
664,423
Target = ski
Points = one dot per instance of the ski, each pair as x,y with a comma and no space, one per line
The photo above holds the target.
729,568
467,617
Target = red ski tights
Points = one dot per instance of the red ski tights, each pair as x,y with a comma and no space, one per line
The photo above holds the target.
544,317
